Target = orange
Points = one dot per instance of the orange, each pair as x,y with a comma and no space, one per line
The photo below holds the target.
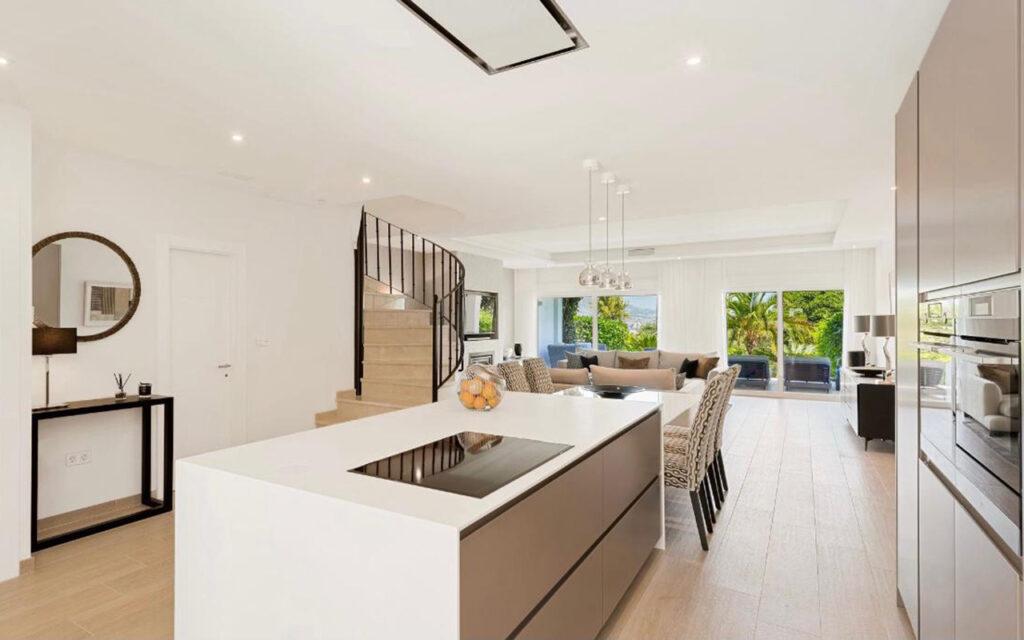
479,402
493,401
475,387
489,390
464,385
467,399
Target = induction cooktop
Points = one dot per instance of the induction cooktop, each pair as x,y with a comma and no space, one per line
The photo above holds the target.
467,463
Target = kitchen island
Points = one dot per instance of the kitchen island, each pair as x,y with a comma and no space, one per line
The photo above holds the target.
302,537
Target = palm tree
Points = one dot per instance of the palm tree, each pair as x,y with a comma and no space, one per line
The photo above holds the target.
751,319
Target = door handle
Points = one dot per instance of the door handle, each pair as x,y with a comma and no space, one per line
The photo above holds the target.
224,366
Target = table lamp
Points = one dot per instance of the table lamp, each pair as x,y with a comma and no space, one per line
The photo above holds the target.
884,326
862,325
51,341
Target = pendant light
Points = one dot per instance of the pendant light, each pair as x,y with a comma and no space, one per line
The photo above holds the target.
625,282
590,277
609,279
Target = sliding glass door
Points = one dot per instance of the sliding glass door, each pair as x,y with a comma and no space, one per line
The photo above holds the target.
793,346
752,337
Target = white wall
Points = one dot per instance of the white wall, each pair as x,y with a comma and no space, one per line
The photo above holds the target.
488,274
298,264
15,333
691,292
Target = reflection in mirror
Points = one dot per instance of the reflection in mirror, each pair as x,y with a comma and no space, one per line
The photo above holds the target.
78,282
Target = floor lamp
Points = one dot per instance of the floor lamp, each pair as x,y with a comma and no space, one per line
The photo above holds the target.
50,341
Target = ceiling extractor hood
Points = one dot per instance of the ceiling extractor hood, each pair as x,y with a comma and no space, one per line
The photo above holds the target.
500,35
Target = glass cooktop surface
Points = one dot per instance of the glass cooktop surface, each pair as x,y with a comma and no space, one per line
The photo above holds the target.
467,463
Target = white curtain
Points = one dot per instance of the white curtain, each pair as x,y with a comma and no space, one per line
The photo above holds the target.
859,283
691,311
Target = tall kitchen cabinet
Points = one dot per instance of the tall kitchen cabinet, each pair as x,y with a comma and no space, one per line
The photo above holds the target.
906,355
970,136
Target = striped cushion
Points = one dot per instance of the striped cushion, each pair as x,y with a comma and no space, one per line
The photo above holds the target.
515,377
538,376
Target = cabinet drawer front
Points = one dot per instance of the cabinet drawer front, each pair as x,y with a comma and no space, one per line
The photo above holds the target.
509,564
575,610
627,545
630,462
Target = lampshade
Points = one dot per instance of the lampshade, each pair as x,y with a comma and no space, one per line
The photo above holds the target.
861,324
883,326
48,341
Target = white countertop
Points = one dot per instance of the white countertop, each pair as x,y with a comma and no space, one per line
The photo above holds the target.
318,461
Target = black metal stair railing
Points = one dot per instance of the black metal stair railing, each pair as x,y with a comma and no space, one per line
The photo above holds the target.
422,271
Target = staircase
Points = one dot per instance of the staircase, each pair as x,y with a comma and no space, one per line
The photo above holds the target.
408,320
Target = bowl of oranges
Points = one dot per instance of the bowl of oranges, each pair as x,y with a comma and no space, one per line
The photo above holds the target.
480,387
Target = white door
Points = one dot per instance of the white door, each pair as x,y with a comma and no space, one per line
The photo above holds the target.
202,336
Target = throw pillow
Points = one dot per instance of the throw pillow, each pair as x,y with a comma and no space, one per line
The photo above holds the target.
689,368
573,360
538,376
634,363
588,361
515,377
705,365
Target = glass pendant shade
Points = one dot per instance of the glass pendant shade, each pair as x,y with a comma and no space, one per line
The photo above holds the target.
590,277
609,279
625,282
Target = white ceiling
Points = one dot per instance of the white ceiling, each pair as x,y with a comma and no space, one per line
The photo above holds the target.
789,116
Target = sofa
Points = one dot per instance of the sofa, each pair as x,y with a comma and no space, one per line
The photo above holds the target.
992,403
659,359
754,370
557,351
807,372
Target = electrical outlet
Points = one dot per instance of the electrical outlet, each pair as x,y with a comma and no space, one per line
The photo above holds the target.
77,458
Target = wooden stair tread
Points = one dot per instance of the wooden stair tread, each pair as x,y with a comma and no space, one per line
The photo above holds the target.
403,383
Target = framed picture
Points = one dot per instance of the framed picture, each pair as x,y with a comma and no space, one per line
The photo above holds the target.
106,302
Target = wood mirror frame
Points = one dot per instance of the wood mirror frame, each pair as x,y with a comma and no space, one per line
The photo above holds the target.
136,283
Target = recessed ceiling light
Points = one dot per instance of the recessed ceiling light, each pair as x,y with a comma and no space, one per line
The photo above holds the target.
892,188
602,219
367,179
237,137
693,61
4,62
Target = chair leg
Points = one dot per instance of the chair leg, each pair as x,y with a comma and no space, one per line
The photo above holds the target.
709,509
699,517
716,495
721,470
708,524
717,482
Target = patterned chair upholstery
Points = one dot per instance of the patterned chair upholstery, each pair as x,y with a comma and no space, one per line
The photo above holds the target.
515,377
686,454
538,376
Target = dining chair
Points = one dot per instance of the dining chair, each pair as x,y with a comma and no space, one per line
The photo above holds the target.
685,457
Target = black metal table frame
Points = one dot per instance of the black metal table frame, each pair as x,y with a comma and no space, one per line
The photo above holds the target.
156,506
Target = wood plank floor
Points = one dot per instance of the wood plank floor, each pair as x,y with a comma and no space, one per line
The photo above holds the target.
804,548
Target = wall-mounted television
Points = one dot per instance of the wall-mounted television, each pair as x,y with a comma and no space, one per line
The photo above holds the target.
480,313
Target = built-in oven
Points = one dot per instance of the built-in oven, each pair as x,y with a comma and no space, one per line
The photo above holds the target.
969,380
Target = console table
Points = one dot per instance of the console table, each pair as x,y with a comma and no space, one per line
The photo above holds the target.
101,405
869,405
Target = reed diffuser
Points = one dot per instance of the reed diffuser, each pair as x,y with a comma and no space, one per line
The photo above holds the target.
122,381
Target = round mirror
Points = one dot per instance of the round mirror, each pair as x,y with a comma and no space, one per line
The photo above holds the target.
84,281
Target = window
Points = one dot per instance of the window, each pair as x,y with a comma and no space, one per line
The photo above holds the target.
623,322
562,321
628,322
808,326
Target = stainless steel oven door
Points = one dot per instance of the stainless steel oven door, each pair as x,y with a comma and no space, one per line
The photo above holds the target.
988,410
